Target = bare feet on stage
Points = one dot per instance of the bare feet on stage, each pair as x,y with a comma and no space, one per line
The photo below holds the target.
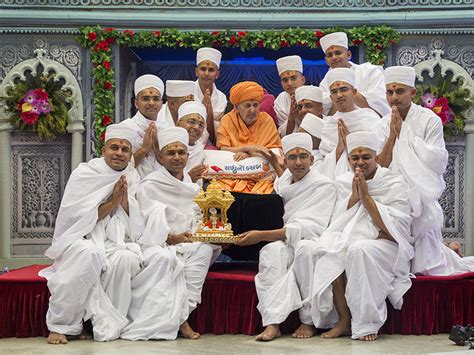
56,338
84,336
370,337
304,331
341,329
456,247
188,332
271,332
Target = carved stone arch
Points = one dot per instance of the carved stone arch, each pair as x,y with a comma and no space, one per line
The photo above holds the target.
76,112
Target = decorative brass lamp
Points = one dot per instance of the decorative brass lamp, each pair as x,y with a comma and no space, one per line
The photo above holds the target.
214,227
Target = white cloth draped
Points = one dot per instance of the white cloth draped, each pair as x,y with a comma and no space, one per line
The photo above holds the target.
369,81
308,207
420,156
349,227
169,287
281,106
196,155
219,104
109,253
139,124
361,119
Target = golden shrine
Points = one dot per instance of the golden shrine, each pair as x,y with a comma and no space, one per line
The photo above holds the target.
214,227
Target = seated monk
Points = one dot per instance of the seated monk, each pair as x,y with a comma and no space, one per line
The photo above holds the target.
247,132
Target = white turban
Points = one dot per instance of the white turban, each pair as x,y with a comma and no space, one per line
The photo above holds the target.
210,54
180,88
291,62
172,135
312,124
192,107
118,131
297,140
364,139
334,39
309,92
401,75
340,74
148,81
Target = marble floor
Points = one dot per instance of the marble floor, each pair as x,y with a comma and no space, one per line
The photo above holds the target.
241,344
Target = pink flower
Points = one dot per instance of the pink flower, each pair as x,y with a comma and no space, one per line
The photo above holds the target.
29,117
428,100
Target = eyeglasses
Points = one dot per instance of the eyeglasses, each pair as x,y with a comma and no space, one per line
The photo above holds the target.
193,122
293,157
342,90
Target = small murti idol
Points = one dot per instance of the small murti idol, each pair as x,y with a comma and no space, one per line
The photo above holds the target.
214,227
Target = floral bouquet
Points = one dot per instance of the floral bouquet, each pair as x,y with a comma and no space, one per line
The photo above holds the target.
39,104
448,101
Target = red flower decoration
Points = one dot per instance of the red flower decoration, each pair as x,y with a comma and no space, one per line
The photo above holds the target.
102,46
102,136
260,43
378,47
41,94
284,44
357,42
29,117
301,44
157,33
215,33
392,41
216,44
318,33
129,32
108,85
317,43
232,40
106,65
110,40
92,36
242,34
106,120
108,29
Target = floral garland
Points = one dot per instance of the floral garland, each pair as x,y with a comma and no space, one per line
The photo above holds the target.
374,39
38,104
449,102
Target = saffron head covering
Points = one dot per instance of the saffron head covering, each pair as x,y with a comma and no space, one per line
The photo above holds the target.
244,91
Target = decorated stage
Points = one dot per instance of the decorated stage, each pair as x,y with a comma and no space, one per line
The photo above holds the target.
229,300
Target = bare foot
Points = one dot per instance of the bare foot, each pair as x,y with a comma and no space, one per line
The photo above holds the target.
56,338
84,336
340,329
456,247
304,331
370,337
271,332
188,332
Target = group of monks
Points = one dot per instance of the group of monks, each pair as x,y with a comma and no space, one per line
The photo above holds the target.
360,170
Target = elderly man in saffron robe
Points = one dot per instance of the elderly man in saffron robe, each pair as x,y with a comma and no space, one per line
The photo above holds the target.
94,245
246,131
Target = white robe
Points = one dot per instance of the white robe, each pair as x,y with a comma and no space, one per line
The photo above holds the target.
169,287
320,261
281,106
139,124
369,81
196,155
219,104
308,206
91,277
420,156
361,119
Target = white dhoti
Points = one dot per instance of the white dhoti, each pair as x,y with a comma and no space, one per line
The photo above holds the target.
77,294
369,271
276,284
308,207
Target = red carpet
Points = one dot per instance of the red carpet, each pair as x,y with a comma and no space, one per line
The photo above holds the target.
229,301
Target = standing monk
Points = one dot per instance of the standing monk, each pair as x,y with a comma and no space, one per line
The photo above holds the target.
415,148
